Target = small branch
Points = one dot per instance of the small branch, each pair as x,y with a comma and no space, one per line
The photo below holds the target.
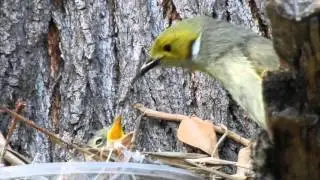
216,172
13,159
220,140
19,105
109,155
179,117
11,156
216,161
44,131
159,114
135,132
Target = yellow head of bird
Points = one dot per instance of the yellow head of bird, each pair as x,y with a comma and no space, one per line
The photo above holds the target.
173,47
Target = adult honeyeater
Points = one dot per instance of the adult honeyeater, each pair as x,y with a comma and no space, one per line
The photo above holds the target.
236,57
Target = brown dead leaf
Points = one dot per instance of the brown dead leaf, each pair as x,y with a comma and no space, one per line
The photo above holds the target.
126,139
198,133
244,157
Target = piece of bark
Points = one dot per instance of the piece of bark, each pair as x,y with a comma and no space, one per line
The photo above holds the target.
290,150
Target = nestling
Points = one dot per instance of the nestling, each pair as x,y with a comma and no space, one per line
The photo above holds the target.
106,136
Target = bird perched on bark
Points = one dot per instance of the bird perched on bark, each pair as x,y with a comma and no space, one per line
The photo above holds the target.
234,56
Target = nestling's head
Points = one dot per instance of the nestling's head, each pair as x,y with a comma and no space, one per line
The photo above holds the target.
99,139
108,134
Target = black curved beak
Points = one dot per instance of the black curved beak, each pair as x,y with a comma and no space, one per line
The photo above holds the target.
143,70
149,65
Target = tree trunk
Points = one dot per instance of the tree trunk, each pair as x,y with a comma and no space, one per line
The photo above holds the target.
71,62
292,151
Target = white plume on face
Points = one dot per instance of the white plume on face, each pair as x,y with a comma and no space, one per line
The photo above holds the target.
196,47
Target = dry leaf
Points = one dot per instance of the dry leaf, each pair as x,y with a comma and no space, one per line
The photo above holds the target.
198,133
126,139
244,157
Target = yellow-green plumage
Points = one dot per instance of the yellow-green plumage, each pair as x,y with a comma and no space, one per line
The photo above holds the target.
108,135
99,139
234,56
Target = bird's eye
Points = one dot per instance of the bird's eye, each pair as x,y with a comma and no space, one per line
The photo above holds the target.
167,47
99,141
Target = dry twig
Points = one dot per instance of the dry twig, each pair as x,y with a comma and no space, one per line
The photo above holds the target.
225,134
135,132
179,117
19,105
11,156
44,131
216,172
216,161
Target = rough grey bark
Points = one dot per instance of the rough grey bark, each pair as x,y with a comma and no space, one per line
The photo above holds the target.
293,96
72,60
